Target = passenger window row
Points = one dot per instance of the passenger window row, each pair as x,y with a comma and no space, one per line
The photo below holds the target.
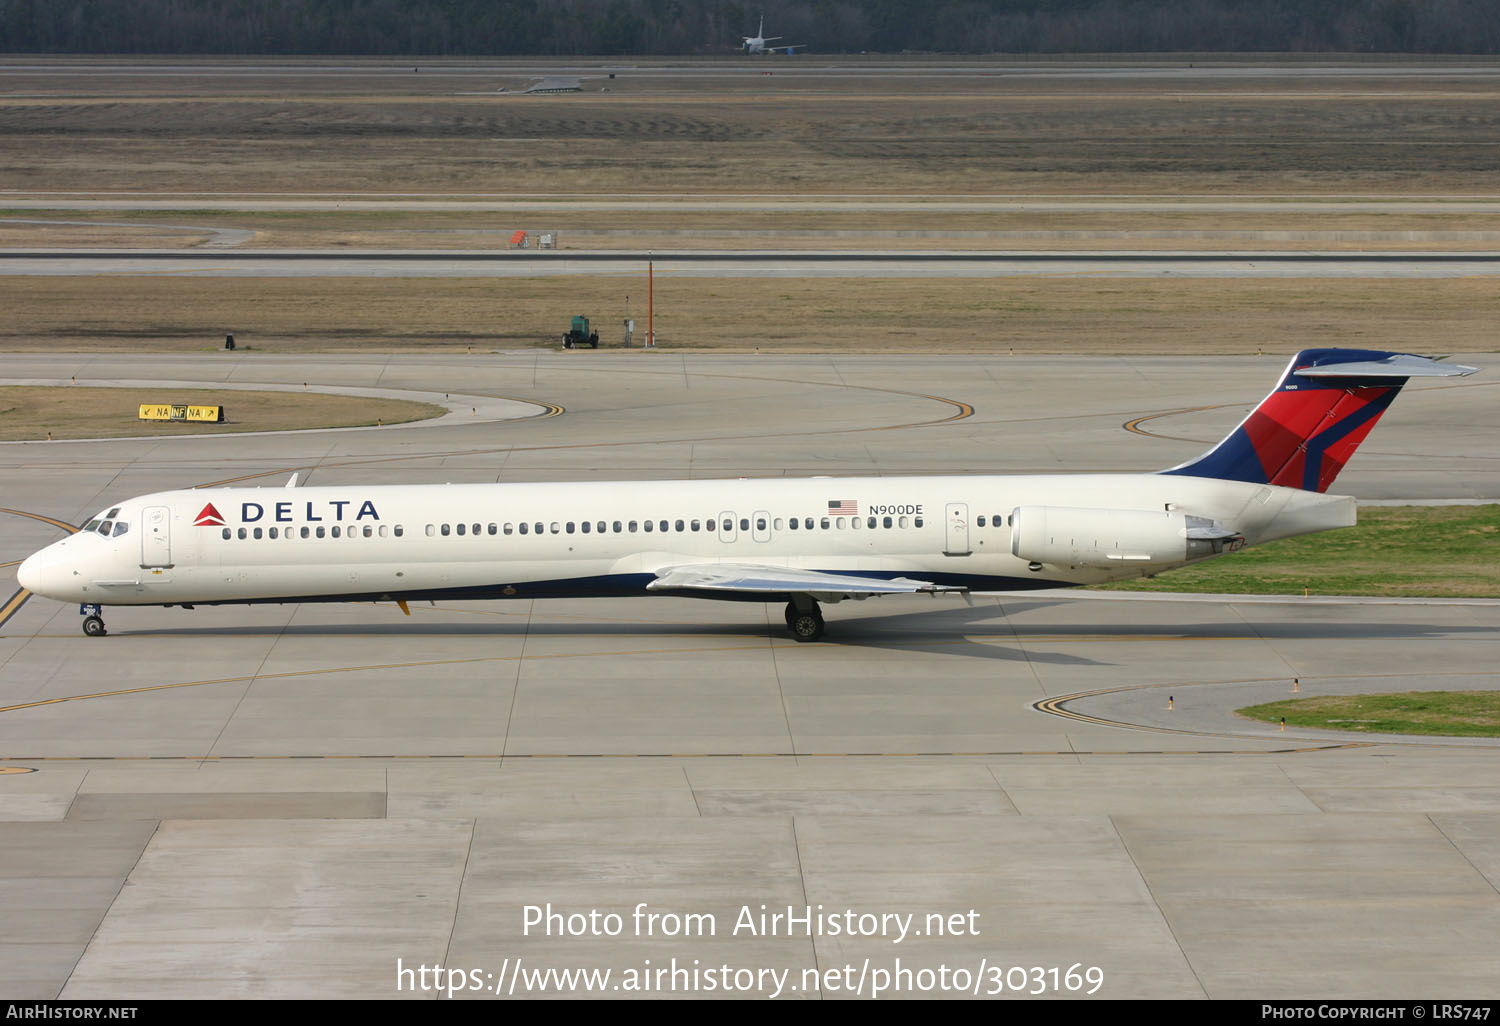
476,530
669,526
336,531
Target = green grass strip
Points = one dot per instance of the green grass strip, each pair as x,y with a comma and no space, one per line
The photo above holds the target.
1450,713
1415,551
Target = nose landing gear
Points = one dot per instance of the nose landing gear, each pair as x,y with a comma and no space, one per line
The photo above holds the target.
93,621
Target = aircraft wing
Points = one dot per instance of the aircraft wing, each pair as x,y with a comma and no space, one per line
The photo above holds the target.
780,580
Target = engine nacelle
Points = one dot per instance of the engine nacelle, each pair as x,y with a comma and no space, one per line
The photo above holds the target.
1067,536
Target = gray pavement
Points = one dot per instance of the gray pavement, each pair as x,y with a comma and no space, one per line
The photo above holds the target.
284,801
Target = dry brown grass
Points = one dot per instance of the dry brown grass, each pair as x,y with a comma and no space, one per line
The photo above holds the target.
783,134
791,134
28,412
17,235
1044,313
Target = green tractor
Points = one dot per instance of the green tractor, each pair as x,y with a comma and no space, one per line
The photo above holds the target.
579,333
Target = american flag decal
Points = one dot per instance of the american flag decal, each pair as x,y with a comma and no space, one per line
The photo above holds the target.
843,507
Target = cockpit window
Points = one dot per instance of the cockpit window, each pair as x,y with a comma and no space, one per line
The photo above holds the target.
106,527
112,513
90,525
120,528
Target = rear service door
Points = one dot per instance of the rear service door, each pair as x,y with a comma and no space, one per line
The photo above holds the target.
956,538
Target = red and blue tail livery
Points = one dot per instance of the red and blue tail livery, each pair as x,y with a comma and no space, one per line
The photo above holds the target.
1302,434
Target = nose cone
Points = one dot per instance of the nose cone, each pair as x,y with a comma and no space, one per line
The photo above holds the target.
31,574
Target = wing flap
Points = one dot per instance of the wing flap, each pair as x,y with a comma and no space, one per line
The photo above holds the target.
779,580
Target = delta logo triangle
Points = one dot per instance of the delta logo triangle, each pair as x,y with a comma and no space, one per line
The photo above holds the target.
209,517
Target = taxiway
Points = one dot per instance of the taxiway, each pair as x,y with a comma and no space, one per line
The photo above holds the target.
284,801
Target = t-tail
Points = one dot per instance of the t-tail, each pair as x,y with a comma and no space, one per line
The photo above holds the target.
1303,433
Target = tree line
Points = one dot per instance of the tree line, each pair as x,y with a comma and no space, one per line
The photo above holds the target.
686,27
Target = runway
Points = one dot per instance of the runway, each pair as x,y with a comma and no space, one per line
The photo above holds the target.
284,801
813,65
222,263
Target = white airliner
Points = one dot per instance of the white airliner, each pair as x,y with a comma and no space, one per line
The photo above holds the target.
801,542
757,43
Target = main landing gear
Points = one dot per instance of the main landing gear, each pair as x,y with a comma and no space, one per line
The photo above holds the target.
804,619
93,620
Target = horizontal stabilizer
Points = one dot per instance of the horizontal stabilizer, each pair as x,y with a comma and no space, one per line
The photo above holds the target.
1395,365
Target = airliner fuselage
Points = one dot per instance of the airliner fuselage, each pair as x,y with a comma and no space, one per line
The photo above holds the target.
596,539
799,541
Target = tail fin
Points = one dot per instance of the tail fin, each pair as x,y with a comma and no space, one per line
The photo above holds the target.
1303,433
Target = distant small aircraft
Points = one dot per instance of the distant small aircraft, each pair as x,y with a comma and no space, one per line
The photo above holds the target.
757,43
555,84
